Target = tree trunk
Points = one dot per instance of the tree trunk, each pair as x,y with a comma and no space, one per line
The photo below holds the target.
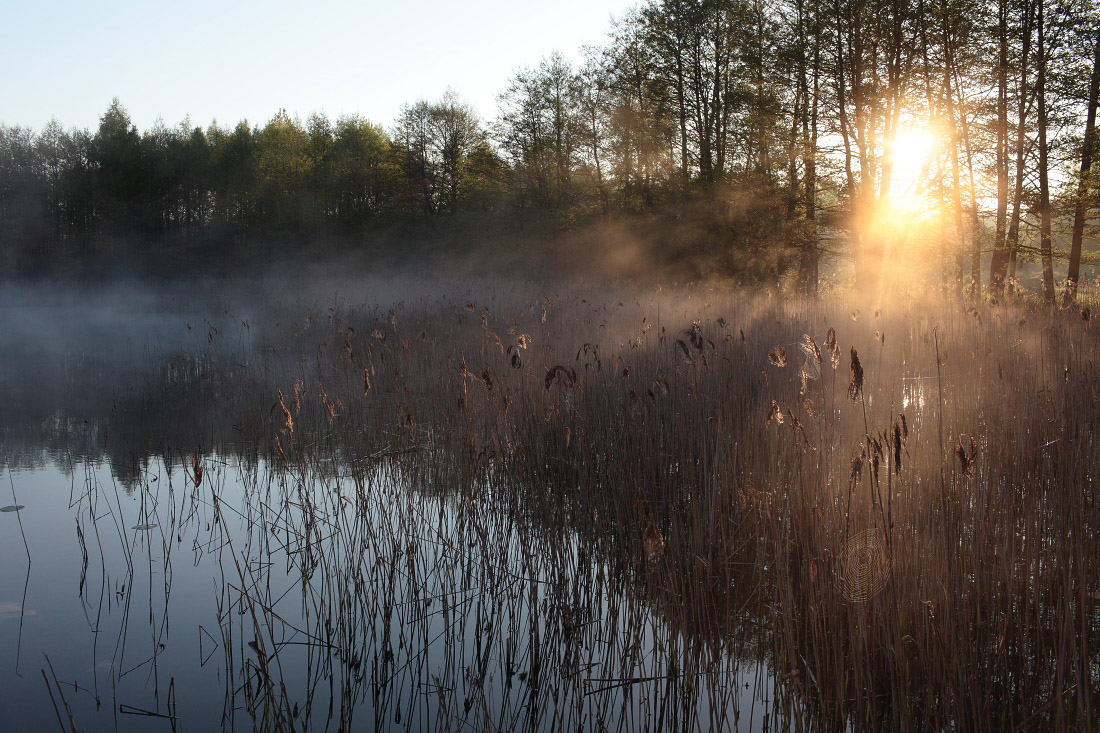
808,270
956,193
1044,182
1080,207
1012,239
846,136
999,261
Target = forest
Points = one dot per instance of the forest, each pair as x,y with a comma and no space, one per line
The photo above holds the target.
942,142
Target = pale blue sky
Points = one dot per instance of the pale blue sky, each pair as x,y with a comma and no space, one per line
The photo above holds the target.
235,60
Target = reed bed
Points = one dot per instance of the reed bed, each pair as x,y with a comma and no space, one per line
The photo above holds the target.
514,507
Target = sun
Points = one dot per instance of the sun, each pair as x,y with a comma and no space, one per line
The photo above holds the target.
911,151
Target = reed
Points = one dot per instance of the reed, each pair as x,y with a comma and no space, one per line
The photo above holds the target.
555,510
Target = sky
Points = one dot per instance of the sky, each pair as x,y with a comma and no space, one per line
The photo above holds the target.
234,60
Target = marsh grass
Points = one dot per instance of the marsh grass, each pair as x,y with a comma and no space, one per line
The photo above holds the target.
513,508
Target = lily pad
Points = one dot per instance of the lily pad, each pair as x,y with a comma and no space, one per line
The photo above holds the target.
144,526
11,508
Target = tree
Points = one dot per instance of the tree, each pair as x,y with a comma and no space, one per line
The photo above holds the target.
283,166
235,175
120,175
1043,51
437,141
540,130
1088,150
362,174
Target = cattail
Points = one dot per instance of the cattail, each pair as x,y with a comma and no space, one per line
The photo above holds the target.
857,465
286,414
562,375
653,541
876,457
298,385
855,386
897,447
330,407
834,349
695,334
966,455
196,471
366,380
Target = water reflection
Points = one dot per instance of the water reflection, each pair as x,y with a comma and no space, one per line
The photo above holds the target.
345,596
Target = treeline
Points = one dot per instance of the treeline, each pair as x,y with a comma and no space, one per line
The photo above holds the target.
746,138
67,193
